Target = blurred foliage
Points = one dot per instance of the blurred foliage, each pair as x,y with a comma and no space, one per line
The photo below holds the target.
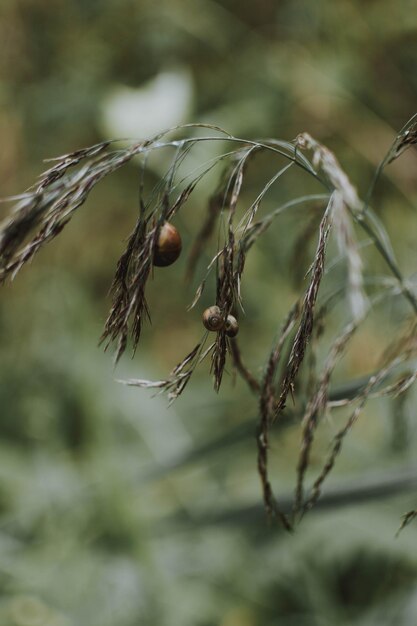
100,485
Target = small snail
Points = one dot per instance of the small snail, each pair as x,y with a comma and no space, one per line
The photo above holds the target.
232,326
213,319
168,246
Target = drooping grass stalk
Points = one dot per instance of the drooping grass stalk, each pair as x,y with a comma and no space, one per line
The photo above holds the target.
40,214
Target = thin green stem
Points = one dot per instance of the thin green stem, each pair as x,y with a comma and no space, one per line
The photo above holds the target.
360,219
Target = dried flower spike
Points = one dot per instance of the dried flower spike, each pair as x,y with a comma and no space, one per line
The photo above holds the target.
168,246
232,326
213,319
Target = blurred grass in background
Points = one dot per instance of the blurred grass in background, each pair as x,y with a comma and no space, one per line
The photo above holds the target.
106,496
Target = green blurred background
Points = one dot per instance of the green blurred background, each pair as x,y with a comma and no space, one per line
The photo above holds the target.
115,509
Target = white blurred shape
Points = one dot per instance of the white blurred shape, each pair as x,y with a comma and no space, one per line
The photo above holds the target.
160,103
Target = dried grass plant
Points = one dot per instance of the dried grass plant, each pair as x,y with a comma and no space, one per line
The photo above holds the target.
41,213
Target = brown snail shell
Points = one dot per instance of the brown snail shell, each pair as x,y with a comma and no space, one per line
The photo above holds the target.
213,318
168,246
232,326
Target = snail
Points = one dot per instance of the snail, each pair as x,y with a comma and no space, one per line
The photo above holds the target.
213,318
168,246
232,326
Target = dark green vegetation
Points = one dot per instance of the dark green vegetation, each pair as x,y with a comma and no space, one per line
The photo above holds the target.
115,510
